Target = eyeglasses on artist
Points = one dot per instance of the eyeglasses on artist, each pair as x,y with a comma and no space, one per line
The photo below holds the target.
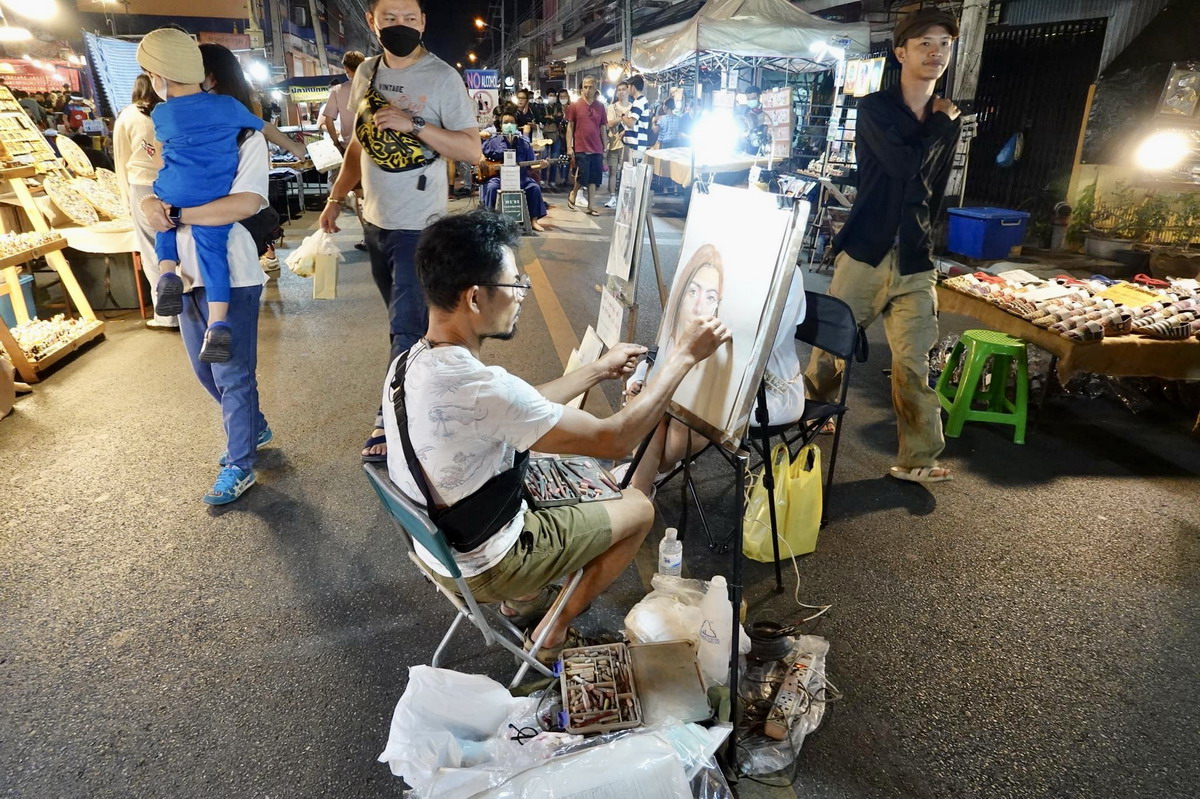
523,287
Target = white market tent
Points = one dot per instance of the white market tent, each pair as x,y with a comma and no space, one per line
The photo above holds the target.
760,32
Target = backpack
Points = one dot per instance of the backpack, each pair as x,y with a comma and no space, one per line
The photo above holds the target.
264,226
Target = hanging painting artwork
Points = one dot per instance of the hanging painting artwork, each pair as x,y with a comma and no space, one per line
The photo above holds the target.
736,262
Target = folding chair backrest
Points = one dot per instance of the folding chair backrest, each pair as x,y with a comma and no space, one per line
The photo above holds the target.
411,517
829,325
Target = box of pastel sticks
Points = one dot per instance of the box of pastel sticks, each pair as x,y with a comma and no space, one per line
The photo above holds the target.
550,482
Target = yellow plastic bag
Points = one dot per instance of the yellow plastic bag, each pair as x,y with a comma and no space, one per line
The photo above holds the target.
797,506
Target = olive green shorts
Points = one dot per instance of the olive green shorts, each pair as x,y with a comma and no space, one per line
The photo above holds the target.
556,542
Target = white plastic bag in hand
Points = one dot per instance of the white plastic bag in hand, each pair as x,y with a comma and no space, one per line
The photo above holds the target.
302,260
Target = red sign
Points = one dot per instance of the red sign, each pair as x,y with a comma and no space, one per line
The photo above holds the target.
234,41
18,73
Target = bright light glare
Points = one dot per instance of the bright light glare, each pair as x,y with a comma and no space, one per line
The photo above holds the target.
258,70
716,136
479,23
1162,150
277,95
10,34
614,73
40,10
610,92
471,57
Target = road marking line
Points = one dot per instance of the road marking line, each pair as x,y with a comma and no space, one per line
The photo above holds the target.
561,333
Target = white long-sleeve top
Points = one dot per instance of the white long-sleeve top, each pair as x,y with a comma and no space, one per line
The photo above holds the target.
136,149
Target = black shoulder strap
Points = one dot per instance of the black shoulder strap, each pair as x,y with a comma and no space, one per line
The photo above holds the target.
410,457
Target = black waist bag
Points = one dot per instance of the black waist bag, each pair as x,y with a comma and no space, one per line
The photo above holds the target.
474,519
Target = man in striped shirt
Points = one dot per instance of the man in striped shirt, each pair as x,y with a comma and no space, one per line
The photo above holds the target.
637,120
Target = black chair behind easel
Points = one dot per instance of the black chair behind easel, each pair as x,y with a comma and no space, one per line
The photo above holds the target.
828,325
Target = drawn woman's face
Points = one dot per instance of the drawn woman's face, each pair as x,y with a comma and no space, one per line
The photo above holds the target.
702,296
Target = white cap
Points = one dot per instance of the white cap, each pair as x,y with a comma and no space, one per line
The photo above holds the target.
717,582
672,533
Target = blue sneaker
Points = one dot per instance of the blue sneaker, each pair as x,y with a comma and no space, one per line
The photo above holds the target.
170,295
231,483
264,438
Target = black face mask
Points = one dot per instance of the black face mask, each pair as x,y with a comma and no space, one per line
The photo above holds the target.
399,40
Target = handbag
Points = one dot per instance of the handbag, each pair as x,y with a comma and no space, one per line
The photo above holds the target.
797,505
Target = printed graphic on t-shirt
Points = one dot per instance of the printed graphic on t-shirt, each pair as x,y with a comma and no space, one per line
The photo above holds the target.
410,105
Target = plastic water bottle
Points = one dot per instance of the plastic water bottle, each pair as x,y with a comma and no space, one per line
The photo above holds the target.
716,624
670,554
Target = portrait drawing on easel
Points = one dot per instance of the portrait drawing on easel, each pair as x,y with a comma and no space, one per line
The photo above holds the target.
736,262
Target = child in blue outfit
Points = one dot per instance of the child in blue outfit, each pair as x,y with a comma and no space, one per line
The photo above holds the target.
199,135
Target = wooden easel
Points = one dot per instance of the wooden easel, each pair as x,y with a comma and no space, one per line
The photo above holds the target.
627,293
29,368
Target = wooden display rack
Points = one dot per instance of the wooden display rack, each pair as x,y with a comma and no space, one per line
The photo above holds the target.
29,368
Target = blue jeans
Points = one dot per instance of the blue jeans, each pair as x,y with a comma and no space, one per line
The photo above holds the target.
558,174
392,266
233,384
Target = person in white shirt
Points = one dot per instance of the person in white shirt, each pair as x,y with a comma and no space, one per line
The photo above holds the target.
467,427
336,117
616,141
338,120
137,156
233,384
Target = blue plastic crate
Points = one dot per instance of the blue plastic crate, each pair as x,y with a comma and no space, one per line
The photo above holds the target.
987,233
6,307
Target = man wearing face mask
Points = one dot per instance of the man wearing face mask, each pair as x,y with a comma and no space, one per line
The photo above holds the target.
753,116
511,138
410,110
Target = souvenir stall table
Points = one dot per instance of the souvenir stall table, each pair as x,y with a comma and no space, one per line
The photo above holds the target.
82,194
1119,356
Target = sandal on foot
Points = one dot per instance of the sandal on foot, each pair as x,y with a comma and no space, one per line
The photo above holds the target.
828,429
549,655
379,457
921,474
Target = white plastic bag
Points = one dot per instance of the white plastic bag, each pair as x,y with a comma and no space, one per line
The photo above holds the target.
671,612
445,722
303,259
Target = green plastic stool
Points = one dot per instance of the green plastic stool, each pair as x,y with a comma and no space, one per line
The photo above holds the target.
957,398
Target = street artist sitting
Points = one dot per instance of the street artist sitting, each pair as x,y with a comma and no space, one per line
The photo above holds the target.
467,429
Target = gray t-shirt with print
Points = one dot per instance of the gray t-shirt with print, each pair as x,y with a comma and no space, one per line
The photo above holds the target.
431,89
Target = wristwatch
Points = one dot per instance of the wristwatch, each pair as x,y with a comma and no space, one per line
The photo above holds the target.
418,125
174,214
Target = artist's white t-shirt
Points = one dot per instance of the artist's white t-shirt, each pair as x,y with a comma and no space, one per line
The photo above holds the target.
467,422
244,269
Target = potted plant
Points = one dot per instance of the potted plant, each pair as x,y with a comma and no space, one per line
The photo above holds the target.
1181,260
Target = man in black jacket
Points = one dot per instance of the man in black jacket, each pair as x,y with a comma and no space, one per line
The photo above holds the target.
905,142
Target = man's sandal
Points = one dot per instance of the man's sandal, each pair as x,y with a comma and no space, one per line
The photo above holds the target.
377,457
549,655
921,474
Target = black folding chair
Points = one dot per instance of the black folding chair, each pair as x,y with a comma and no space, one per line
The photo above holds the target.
828,325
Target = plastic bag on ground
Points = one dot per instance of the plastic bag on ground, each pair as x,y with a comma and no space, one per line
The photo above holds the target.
447,721
671,612
758,754
303,260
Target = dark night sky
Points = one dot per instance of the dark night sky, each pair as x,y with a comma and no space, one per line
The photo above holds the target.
450,28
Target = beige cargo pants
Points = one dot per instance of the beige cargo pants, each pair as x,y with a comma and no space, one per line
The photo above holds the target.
908,304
